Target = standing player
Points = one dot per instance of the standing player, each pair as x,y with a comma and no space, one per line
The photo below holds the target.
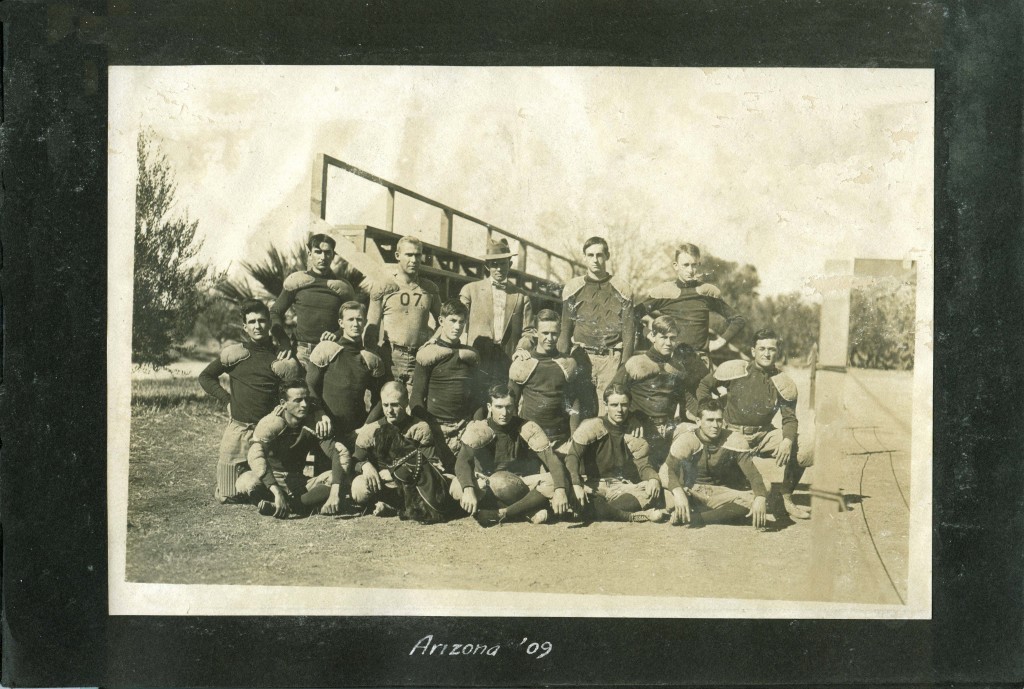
597,323
755,392
689,301
546,386
255,369
507,463
448,385
656,379
315,294
400,309
609,468
341,372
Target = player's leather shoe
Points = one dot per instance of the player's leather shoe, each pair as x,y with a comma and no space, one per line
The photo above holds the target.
266,508
539,517
487,518
794,510
653,515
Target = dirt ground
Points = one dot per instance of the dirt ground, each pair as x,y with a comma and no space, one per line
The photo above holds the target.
177,533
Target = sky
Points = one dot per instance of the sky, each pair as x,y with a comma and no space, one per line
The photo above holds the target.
781,168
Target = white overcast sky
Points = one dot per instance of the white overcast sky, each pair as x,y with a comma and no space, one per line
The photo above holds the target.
782,168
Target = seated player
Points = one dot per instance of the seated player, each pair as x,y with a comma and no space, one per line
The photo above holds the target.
706,483
657,381
755,392
277,457
448,385
545,385
609,468
341,372
255,369
507,463
373,484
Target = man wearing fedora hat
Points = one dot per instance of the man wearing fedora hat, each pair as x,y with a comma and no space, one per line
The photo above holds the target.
499,313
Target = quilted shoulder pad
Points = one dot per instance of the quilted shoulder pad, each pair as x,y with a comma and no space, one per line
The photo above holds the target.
520,371
709,290
641,367
622,287
477,434
786,387
589,431
420,434
731,370
637,447
297,281
685,445
572,287
288,369
379,290
469,355
431,354
373,362
568,366
268,428
234,354
664,290
340,287
534,436
365,436
324,353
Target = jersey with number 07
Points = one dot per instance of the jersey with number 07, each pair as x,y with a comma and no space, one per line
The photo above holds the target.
405,311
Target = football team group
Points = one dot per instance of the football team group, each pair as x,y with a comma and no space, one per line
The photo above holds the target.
433,410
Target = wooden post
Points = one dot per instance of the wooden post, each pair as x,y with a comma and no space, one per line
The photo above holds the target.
521,260
389,218
318,188
547,265
447,226
826,503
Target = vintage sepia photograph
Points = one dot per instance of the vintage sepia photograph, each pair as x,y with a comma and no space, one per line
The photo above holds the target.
520,341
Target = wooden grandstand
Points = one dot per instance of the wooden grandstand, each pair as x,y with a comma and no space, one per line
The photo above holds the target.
449,268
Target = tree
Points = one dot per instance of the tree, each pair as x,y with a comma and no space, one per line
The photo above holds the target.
168,278
882,325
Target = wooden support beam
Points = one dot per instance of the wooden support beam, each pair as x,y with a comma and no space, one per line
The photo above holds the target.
447,228
389,217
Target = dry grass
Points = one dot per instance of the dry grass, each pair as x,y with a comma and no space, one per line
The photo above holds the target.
177,533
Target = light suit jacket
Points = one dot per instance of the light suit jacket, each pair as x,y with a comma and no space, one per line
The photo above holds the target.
478,296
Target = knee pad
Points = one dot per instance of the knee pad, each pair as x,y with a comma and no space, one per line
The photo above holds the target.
360,491
507,487
247,483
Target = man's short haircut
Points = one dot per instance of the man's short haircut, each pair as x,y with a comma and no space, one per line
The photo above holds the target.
708,405
395,386
497,392
253,306
293,384
764,334
548,315
350,306
663,325
617,389
410,240
596,240
454,307
687,248
317,239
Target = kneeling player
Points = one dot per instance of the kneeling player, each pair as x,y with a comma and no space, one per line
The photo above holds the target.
373,484
709,483
609,467
507,462
277,456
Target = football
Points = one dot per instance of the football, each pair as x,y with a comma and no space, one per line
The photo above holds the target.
507,487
